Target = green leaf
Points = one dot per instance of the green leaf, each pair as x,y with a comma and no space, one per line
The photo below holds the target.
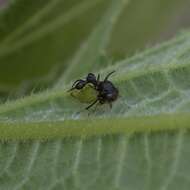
42,28
147,22
38,39
50,142
142,143
87,57
117,34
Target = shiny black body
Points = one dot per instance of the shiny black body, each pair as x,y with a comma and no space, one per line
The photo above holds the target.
107,92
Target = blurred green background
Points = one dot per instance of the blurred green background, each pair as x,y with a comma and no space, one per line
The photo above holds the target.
39,38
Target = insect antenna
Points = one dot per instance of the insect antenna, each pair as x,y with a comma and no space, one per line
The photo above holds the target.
106,78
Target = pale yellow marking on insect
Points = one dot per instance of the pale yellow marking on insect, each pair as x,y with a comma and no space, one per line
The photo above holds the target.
87,94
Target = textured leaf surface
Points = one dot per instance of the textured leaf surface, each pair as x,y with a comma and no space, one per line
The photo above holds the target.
142,143
152,85
57,28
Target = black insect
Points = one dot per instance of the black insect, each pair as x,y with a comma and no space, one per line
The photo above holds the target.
107,92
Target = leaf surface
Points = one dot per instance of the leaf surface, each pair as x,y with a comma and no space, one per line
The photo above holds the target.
50,142
142,143
57,28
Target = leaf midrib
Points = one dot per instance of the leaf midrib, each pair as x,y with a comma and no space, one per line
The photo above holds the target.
85,128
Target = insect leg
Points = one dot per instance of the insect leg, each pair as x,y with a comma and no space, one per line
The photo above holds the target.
98,78
97,81
76,82
71,89
94,109
88,107
106,78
